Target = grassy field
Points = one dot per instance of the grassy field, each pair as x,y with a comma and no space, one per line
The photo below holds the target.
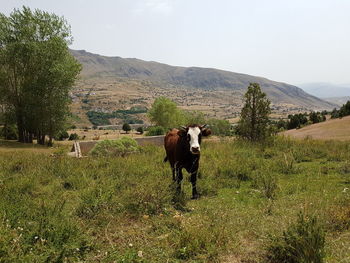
333,129
59,209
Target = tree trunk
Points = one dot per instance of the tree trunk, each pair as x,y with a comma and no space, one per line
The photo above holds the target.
49,143
20,127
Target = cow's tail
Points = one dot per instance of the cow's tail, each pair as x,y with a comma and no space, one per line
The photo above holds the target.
165,159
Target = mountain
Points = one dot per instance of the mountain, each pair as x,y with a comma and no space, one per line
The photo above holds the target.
326,90
123,82
338,100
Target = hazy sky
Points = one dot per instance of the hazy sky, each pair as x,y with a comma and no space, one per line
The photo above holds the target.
294,41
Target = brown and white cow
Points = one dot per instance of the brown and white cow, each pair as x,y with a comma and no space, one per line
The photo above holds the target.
183,151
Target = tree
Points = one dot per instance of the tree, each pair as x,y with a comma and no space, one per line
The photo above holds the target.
126,127
164,112
220,127
140,130
194,117
297,120
253,124
36,71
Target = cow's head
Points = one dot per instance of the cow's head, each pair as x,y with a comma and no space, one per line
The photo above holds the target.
194,135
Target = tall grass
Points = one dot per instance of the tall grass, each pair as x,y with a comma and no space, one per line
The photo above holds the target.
124,209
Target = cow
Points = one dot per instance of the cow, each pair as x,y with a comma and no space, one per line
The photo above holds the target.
182,148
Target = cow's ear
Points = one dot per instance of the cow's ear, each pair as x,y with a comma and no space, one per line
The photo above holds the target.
182,132
206,132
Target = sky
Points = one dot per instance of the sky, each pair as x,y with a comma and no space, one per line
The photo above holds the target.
293,41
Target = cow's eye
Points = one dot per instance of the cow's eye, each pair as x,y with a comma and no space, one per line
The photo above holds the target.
188,137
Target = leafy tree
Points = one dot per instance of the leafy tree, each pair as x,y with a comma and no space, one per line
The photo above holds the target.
194,117
314,117
281,124
62,135
36,71
154,131
9,132
220,127
297,120
73,137
253,124
126,127
140,130
164,112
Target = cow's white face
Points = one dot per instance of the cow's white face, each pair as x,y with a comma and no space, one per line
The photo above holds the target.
193,135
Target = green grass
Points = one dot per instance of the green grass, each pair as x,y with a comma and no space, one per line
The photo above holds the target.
60,209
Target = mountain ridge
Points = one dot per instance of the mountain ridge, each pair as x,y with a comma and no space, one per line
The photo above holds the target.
217,87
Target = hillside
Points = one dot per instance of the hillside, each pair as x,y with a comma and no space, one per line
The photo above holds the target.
334,129
326,90
338,100
110,83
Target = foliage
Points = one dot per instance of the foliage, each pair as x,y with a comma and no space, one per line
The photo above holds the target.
54,208
73,137
102,118
219,127
165,113
9,132
302,242
155,130
62,135
126,127
299,120
140,130
118,147
316,117
194,117
253,124
342,112
34,52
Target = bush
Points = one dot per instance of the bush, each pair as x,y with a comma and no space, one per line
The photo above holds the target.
140,130
119,147
9,132
220,127
73,137
62,135
126,127
302,242
154,131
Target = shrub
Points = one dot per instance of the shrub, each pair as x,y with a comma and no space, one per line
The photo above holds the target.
62,135
269,185
126,127
119,147
302,242
220,127
154,131
9,132
140,130
73,137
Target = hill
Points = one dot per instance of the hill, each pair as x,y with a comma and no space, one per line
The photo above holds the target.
334,129
110,83
326,90
338,100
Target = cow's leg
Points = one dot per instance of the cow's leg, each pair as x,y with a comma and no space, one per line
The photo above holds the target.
195,194
179,177
173,170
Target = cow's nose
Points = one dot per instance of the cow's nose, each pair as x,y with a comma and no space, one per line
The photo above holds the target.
195,149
